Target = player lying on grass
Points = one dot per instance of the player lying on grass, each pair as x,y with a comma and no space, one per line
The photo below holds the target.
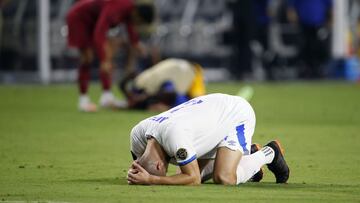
215,127
164,85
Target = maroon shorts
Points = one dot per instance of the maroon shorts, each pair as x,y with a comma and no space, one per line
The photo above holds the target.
80,35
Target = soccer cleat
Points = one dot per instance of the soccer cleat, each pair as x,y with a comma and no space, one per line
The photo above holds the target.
86,105
259,175
278,166
108,100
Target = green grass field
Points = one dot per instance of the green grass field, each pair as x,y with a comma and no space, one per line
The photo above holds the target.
50,152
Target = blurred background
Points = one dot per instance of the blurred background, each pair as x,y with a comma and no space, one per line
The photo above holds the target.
246,40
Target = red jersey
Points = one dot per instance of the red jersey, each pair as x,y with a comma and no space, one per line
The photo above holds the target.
89,21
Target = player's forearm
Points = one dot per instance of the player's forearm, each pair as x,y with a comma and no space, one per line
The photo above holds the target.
178,179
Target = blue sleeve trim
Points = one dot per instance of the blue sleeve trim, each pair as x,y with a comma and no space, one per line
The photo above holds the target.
187,161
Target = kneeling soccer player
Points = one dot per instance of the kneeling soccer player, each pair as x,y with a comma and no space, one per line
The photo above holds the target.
164,85
215,127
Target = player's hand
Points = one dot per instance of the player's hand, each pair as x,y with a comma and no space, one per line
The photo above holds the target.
137,175
131,171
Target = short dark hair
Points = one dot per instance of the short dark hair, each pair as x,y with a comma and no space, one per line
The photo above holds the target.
146,12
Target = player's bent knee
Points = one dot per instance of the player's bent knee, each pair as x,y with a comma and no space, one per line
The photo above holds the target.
225,179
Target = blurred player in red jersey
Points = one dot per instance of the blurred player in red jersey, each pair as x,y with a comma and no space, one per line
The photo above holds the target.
88,23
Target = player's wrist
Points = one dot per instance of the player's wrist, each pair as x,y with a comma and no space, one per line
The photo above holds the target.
152,179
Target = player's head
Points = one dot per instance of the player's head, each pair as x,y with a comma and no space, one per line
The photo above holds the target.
154,159
144,14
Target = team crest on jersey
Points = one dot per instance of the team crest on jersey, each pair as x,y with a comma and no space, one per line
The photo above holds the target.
181,154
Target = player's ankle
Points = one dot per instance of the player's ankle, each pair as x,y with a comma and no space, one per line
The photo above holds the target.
269,154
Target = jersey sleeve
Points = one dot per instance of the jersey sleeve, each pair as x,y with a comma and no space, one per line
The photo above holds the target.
176,144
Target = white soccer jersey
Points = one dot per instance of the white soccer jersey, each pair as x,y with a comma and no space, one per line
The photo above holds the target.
195,129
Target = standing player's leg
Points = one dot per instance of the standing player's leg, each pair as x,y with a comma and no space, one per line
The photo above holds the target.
107,99
80,37
86,58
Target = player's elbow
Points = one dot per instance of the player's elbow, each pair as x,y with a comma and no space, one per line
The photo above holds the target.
225,179
195,180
